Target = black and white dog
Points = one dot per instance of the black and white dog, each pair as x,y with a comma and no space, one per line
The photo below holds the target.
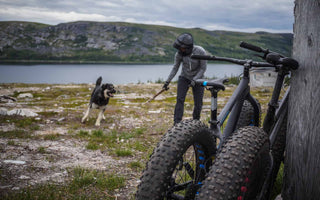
99,99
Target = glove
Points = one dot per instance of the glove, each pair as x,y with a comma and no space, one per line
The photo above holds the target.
165,86
192,83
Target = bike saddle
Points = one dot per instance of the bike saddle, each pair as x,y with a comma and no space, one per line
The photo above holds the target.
216,83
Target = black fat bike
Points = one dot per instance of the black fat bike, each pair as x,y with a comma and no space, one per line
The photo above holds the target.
249,161
182,159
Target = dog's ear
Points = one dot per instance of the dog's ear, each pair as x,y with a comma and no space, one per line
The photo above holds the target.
99,80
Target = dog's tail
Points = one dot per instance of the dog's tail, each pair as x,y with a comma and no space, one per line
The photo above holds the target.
99,80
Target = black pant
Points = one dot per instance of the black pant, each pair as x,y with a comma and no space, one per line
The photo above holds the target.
197,90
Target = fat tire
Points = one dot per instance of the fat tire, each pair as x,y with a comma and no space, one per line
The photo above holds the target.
246,117
228,175
156,178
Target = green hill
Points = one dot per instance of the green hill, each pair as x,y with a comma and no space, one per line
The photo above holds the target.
112,42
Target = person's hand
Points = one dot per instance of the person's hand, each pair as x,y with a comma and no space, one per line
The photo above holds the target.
165,86
192,83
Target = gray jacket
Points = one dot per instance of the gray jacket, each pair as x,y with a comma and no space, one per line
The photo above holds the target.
191,69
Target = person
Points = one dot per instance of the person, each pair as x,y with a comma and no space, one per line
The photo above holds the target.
191,70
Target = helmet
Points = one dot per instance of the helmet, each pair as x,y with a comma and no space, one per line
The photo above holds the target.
185,42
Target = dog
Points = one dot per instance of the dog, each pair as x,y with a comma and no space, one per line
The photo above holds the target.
99,99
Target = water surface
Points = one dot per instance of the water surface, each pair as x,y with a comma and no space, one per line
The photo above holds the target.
88,73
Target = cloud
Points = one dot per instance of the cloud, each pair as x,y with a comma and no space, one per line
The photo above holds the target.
245,15
38,14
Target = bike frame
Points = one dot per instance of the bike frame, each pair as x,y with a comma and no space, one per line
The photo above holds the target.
276,113
233,107
273,121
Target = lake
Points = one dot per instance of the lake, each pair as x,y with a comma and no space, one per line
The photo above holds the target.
113,73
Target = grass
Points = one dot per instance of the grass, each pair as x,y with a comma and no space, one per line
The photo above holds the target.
19,121
48,114
85,184
11,142
123,152
83,133
104,140
18,133
42,150
135,138
278,183
92,146
54,136
135,165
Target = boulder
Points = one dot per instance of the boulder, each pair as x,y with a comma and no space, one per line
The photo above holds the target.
16,162
22,112
3,111
25,95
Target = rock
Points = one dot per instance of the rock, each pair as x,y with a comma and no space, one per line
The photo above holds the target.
154,111
3,111
61,119
23,177
6,98
25,95
5,187
11,104
16,162
265,90
64,96
22,112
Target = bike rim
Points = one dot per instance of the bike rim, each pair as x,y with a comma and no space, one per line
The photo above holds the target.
188,174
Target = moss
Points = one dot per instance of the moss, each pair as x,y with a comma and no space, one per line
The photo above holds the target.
18,133
85,184
123,152
135,165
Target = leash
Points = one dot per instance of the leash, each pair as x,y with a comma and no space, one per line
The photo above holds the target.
161,91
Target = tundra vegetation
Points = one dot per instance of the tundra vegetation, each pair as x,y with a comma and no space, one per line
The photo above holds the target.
116,42
54,156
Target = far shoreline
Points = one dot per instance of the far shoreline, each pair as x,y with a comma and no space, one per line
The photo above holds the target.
78,62
55,62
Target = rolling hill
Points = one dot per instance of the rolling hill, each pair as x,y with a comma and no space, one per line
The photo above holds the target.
118,42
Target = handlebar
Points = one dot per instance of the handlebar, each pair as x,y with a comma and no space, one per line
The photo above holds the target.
253,47
258,49
275,59
272,57
232,60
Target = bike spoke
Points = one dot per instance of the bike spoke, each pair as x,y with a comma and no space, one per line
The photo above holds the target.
179,187
189,169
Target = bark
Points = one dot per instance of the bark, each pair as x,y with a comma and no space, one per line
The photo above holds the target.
302,162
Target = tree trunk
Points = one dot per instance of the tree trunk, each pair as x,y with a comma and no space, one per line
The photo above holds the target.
302,162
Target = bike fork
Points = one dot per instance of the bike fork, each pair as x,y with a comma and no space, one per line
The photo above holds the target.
267,180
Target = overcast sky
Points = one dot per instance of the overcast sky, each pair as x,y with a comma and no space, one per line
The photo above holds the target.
234,15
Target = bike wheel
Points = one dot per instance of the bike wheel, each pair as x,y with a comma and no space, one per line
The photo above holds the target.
179,163
240,168
246,117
